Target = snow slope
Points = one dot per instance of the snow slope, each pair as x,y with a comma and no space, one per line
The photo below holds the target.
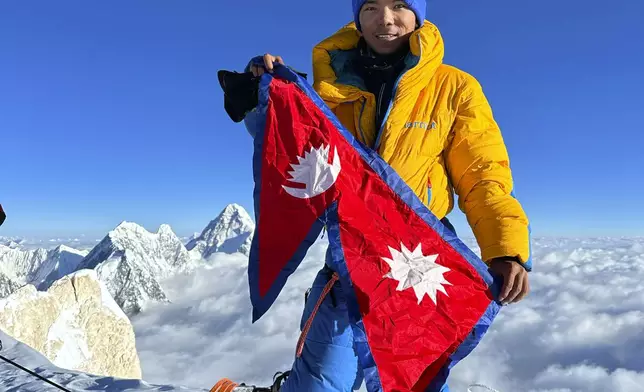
14,379
61,261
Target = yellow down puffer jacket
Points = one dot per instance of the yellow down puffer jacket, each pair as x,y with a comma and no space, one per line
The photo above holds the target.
439,135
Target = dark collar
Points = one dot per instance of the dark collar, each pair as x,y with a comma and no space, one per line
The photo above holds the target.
374,61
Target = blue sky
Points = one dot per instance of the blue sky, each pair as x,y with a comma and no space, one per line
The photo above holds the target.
111,111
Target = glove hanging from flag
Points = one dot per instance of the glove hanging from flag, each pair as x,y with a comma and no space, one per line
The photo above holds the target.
419,299
3,216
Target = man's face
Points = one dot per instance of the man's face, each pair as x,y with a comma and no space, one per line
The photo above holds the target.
386,24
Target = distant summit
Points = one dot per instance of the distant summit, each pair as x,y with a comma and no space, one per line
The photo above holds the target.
230,232
131,261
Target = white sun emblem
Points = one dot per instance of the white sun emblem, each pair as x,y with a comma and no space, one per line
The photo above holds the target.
413,269
315,172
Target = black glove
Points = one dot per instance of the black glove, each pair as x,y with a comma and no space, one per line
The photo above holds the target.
3,216
240,93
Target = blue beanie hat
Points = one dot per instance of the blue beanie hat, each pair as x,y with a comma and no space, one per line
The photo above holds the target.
418,6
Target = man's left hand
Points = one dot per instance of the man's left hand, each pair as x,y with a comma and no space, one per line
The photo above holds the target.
515,280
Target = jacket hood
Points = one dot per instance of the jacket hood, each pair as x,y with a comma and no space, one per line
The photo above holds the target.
331,58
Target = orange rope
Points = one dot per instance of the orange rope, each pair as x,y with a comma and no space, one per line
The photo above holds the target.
307,326
224,385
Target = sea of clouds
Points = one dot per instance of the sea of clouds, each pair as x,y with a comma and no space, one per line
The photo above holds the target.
580,329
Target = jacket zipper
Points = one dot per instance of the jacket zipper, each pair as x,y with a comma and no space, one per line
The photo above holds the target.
364,139
379,103
393,95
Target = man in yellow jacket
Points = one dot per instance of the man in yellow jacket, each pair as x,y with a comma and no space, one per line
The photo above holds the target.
384,78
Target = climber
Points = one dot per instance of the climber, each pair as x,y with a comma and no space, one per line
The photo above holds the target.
384,78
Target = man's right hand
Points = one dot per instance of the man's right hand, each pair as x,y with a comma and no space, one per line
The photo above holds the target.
269,61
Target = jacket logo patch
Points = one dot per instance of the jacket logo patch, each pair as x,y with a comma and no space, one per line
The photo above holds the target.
421,125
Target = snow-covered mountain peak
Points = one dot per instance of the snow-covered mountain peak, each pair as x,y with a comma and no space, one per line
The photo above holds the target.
64,248
233,207
60,261
127,229
13,245
132,261
231,231
11,242
235,214
166,229
126,232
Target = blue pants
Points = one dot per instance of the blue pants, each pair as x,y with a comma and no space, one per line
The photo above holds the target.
328,362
